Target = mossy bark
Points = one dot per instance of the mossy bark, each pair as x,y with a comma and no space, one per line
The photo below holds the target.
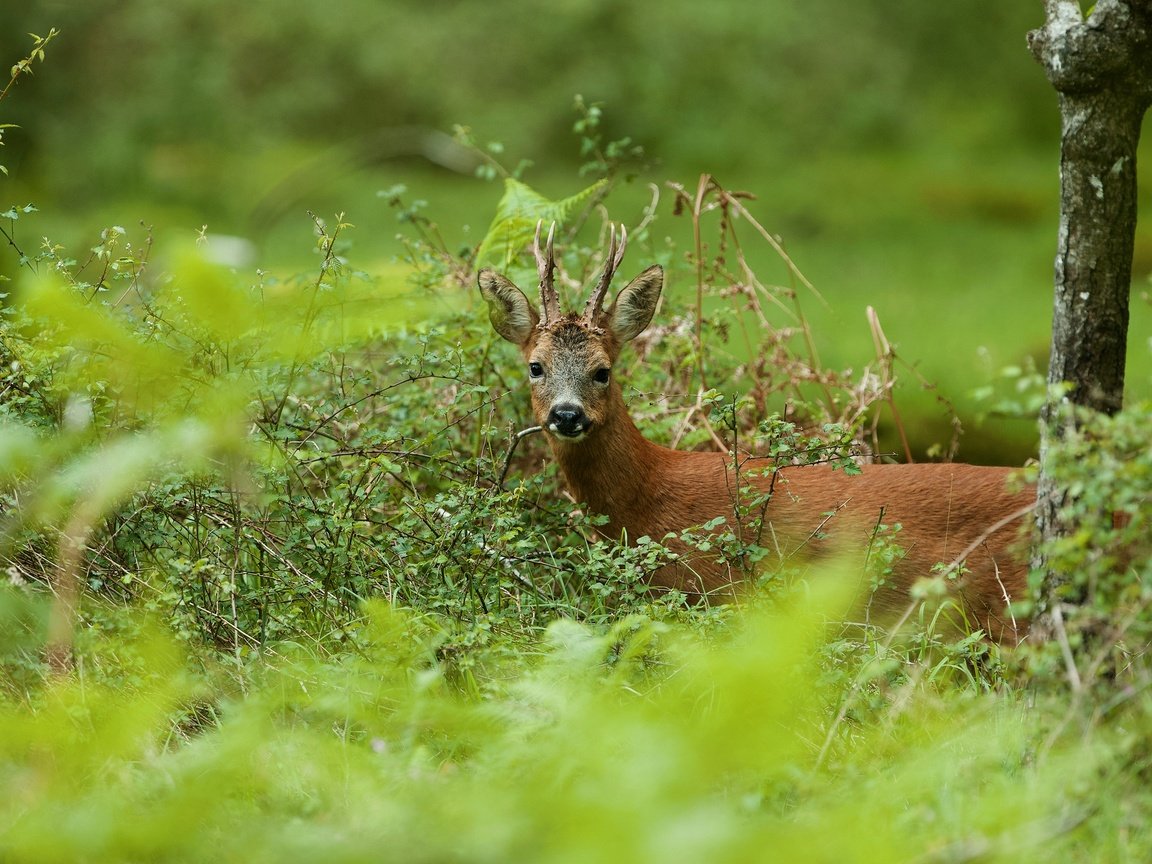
1101,68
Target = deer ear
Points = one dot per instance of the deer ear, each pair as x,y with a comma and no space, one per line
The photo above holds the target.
636,303
512,316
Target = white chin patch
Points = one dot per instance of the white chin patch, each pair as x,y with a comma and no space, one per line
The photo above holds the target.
561,436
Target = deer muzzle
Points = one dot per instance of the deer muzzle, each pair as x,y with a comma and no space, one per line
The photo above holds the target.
568,420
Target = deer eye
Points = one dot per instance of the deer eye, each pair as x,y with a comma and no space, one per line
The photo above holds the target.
535,370
600,376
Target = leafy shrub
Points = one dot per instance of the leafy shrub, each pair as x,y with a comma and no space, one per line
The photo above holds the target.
1104,560
284,448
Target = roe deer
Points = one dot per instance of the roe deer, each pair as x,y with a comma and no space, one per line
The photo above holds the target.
949,513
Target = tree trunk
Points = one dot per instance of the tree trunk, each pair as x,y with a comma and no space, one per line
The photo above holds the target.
1101,68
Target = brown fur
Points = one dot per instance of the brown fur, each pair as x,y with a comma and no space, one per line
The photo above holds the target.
949,513
946,511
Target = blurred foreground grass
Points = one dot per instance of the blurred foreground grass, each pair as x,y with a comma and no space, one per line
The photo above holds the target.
643,742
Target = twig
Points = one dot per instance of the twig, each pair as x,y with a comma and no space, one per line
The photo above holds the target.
24,259
1066,649
734,202
885,354
67,586
988,532
524,433
24,67
1007,599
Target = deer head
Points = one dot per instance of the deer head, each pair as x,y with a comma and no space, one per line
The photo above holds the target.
570,356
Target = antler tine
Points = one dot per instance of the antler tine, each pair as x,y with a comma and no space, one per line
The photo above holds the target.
611,262
545,264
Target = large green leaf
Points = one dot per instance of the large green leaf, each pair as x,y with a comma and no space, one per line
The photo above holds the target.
519,210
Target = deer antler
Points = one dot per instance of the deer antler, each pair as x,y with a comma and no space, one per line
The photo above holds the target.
545,264
615,255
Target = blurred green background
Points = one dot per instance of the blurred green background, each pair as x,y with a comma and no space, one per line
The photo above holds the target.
907,154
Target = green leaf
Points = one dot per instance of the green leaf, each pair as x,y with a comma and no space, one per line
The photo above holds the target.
514,224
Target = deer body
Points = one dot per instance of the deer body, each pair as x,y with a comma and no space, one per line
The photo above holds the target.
949,513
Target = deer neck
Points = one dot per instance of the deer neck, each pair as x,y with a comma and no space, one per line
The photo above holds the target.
615,469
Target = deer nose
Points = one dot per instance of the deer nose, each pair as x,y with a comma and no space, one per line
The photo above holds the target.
568,420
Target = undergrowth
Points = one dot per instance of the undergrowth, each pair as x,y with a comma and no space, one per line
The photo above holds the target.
265,592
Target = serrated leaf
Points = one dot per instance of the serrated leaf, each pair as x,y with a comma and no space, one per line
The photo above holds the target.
514,224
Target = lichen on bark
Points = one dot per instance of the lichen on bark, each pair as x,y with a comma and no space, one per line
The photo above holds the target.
1101,69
